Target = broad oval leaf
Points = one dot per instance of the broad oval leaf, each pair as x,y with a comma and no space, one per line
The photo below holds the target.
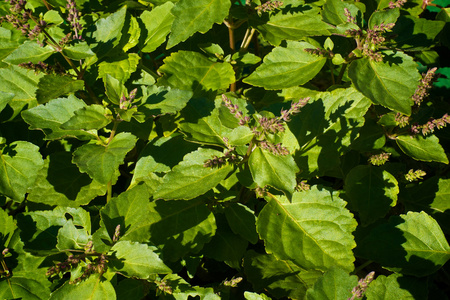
274,170
157,23
333,285
287,67
22,83
25,285
30,51
371,191
121,68
422,148
432,197
180,227
51,116
390,83
242,221
89,117
19,163
131,211
397,286
314,230
53,86
100,162
60,182
192,71
292,24
206,12
281,278
93,288
136,260
190,178
412,244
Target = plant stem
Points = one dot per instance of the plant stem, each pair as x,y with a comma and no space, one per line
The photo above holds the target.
247,39
362,266
332,72
230,26
109,192
341,74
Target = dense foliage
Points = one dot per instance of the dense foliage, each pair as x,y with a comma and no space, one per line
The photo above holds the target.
218,149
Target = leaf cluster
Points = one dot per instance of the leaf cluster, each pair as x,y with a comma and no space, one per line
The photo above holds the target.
217,149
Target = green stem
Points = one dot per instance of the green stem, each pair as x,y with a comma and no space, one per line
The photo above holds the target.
332,72
230,26
341,74
109,192
111,136
362,266
247,39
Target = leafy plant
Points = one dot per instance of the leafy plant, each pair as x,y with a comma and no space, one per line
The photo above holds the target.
218,149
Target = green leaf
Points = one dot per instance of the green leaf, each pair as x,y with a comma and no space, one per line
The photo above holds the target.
9,41
7,227
206,12
51,116
93,288
40,229
274,170
60,182
131,289
334,11
281,278
413,33
131,211
101,162
334,284
388,16
287,67
255,296
29,51
202,122
88,117
165,100
71,237
19,163
326,127
109,29
22,83
225,245
242,221
317,222
78,51
163,149
397,286
157,22
192,71
137,260
4,99
52,86
390,83
180,227
190,178
114,89
371,191
412,244
240,136
25,285
294,24
183,290
432,197
132,35
120,68
422,148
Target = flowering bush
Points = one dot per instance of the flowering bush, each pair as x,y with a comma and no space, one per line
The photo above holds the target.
218,149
